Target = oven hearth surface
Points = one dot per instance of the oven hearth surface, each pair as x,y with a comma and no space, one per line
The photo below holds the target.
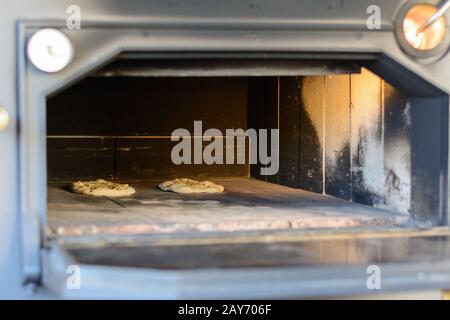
247,204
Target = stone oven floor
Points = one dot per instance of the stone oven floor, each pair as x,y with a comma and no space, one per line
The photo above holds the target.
247,204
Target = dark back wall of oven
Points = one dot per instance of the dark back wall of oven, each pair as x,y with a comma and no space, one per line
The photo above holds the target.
120,127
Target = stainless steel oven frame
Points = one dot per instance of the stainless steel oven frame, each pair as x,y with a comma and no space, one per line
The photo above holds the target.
320,27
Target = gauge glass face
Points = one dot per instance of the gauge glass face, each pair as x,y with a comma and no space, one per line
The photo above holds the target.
50,50
431,37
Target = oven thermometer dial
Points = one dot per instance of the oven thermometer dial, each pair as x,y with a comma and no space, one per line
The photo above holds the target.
50,50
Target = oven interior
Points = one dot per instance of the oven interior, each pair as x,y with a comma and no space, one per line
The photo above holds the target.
359,147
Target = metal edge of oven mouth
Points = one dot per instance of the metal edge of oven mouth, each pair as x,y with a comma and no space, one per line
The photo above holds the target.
115,282
268,236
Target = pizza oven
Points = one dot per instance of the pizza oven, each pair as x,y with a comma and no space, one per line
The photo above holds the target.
314,143
329,137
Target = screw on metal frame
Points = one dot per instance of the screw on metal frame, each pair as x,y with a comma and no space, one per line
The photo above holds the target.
4,119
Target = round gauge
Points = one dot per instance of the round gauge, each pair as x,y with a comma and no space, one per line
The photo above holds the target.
50,50
426,45
429,38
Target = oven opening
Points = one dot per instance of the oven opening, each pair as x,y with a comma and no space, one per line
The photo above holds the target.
351,150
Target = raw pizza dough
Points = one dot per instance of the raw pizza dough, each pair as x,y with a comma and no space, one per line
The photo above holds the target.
184,185
102,187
